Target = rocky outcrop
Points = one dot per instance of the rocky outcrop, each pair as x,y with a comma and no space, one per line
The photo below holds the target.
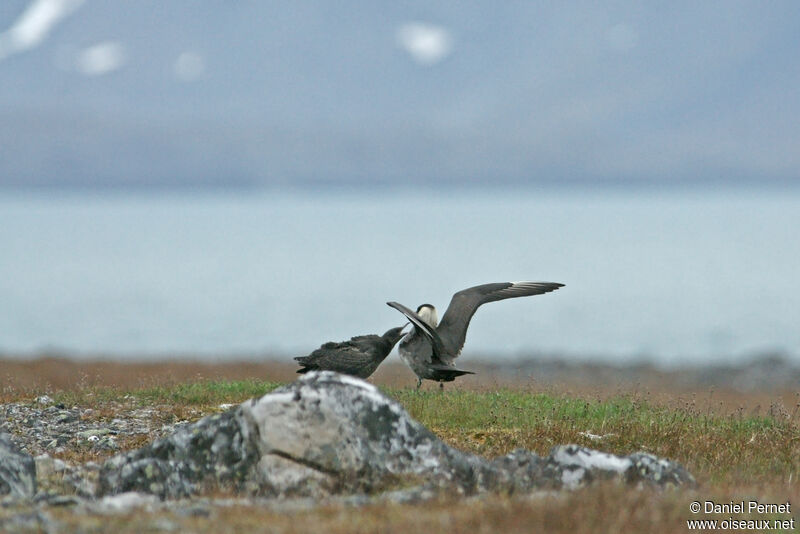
329,434
17,469
46,427
217,450
571,466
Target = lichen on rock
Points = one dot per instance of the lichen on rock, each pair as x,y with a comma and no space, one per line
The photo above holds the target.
17,469
330,434
217,450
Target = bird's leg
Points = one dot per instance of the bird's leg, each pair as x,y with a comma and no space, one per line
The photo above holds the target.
419,383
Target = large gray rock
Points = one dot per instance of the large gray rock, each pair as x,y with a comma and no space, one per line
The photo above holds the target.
17,469
332,434
217,450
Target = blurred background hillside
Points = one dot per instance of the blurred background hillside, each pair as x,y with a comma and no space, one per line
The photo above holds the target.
187,93
219,179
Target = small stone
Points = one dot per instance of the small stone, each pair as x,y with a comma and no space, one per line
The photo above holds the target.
66,417
64,500
55,499
93,432
44,399
106,443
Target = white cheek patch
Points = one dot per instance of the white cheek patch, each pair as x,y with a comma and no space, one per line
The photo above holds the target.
429,315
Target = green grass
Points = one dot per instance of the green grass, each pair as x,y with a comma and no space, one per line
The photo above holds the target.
733,457
715,448
189,394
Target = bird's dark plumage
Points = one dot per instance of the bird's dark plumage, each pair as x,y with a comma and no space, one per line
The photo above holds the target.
431,347
358,357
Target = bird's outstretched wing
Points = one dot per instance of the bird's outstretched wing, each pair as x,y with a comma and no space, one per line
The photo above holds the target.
453,327
422,326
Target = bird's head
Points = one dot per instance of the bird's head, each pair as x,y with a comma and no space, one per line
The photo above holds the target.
427,313
394,334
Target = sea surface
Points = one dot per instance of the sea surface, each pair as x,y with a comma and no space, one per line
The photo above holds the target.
671,276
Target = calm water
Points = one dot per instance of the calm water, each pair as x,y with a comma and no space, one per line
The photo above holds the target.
670,276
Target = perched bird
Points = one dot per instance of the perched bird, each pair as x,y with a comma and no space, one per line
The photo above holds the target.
358,357
430,348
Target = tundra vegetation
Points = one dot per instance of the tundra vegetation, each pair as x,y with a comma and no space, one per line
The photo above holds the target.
738,445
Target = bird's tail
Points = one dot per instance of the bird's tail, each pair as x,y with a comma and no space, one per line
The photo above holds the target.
449,373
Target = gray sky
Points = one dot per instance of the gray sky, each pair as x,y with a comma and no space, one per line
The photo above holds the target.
188,92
